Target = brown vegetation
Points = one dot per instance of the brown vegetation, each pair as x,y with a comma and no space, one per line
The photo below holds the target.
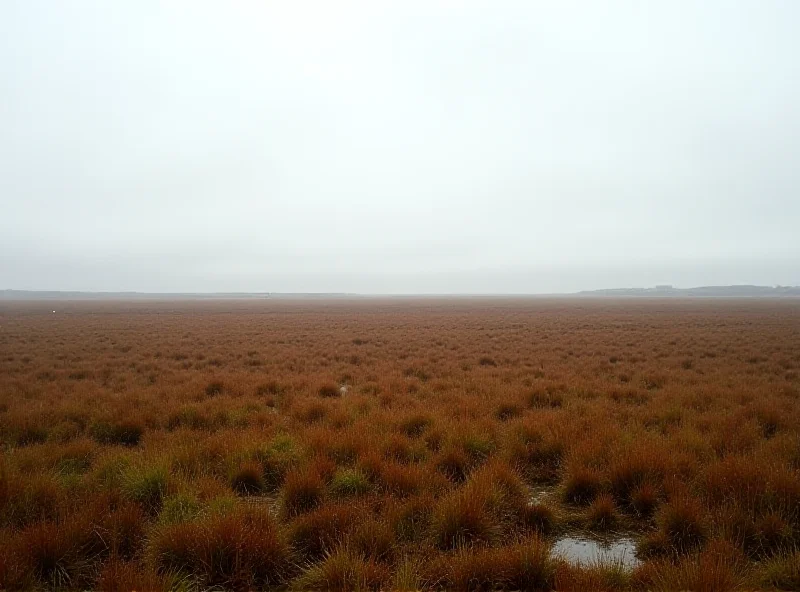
389,444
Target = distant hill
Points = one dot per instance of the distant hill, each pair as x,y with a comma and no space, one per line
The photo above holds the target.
701,292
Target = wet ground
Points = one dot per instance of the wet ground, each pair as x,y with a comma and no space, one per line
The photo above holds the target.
588,550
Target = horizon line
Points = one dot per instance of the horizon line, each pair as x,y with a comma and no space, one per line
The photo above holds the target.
751,290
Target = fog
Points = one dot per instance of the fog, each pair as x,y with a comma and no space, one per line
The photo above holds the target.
407,147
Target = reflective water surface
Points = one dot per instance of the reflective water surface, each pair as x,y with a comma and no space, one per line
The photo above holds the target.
581,550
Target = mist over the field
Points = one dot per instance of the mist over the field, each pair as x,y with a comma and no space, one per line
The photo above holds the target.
409,147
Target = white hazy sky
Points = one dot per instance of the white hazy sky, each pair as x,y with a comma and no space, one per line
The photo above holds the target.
398,146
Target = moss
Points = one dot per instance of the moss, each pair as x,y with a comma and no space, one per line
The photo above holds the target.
349,482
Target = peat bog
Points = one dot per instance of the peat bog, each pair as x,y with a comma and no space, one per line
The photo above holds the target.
400,444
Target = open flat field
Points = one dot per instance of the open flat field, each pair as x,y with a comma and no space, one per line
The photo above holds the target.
400,444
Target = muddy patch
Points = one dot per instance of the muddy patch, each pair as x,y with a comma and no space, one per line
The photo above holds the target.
606,550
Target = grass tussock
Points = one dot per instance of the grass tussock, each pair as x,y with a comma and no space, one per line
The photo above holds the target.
344,570
581,486
302,491
410,445
601,514
239,550
523,566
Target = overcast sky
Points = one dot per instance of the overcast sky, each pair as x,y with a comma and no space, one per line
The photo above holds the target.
398,147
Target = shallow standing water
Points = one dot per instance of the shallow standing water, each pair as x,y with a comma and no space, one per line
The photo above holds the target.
580,550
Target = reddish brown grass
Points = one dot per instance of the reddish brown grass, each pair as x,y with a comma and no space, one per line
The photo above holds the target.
239,550
396,443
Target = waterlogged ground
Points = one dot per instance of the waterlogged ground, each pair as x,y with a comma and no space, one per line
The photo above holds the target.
588,550
400,444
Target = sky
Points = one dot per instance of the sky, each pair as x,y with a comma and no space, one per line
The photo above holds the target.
398,147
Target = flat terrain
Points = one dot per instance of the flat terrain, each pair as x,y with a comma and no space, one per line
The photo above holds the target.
399,444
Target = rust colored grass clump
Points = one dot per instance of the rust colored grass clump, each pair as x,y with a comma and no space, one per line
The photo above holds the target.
238,550
398,445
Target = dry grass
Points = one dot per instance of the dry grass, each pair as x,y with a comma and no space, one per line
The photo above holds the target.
395,444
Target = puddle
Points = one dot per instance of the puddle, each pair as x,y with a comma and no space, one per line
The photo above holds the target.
269,502
580,550
541,494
